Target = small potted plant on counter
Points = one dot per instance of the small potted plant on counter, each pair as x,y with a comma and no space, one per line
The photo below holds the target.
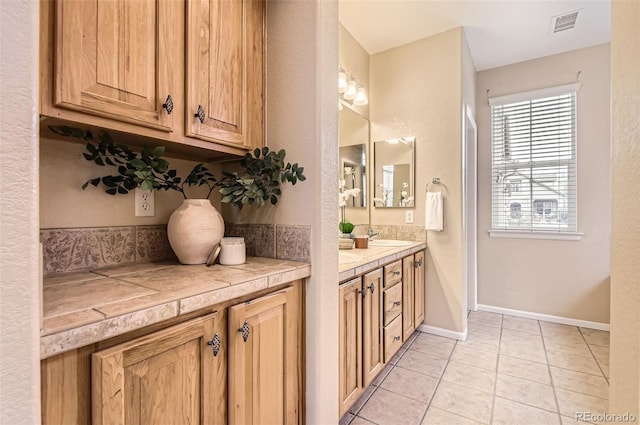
196,227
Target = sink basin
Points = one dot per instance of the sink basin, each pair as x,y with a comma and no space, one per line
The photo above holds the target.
389,242
346,258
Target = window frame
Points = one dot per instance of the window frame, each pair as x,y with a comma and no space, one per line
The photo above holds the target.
532,232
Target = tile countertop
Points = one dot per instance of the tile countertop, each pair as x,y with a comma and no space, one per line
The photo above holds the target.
85,307
374,257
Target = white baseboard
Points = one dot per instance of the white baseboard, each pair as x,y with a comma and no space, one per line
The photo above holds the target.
462,336
545,317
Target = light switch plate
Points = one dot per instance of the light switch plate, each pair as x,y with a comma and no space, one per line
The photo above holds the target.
145,203
408,216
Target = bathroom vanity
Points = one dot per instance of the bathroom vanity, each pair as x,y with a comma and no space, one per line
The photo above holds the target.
381,304
167,343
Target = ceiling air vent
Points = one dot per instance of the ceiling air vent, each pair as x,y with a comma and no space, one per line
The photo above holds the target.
564,22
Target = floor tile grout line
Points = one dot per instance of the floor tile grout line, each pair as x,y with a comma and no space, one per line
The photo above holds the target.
495,383
594,356
553,387
435,390
377,387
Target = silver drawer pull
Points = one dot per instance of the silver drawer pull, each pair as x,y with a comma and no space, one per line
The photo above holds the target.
397,273
397,303
396,338
215,344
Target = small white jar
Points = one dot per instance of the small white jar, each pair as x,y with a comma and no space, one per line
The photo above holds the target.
233,251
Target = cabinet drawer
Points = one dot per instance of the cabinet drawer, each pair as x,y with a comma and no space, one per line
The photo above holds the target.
392,299
392,338
392,273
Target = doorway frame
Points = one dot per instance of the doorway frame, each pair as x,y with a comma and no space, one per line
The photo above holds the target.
469,210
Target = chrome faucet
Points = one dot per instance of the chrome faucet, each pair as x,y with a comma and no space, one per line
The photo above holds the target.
373,234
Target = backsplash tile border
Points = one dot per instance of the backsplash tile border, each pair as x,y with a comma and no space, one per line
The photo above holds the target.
152,244
84,248
260,239
75,249
392,231
293,242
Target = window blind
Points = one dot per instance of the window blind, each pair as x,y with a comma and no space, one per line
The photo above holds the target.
534,175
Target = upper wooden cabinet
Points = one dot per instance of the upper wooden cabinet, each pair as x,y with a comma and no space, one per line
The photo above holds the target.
188,73
225,71
119,59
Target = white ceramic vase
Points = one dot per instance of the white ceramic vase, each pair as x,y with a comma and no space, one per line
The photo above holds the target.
194,229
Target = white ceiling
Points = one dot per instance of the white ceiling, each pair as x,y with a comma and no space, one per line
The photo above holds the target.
499,32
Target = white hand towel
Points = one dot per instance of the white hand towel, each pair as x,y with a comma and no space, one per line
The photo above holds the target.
433,211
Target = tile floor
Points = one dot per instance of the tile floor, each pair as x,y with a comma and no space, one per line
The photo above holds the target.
509,371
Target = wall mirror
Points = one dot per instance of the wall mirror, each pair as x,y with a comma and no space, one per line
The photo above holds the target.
353,141
394,181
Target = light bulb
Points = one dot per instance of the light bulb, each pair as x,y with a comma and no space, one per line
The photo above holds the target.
361,97
342,81
352,90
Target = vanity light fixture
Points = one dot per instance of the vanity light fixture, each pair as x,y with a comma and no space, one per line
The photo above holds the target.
361,97
350,89
351,92
342,80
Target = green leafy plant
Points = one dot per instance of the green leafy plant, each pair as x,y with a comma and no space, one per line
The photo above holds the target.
259,182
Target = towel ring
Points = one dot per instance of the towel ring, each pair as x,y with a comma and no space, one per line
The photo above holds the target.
434,181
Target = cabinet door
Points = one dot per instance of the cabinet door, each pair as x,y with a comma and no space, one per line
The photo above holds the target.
119,59
350,345
264,366
408,326
171,376
372,326
225,71
418,288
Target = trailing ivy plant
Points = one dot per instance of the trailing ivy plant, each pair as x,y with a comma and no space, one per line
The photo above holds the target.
258,182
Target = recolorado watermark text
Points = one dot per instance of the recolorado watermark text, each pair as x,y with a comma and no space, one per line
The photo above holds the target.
605,417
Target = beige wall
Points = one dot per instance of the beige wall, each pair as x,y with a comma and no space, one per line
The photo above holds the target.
19,280
416,90
625,225
63,203
561,278
468,76
354,58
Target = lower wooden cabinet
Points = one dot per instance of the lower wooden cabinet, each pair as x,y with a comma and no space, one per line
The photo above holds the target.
350,343
408,298
199,371
264,366
377,313
418,288
372,347
361,348
171,376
